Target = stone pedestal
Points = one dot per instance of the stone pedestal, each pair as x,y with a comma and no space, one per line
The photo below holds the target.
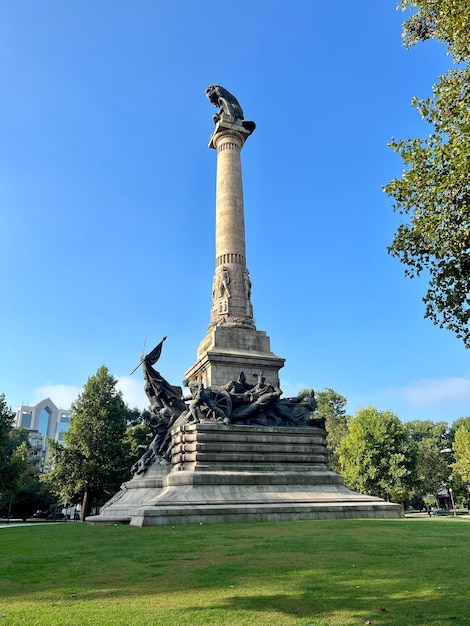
226,351
242,474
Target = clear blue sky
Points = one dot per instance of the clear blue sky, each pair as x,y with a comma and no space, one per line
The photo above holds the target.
107,195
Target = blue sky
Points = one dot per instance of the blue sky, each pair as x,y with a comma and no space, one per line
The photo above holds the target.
107,195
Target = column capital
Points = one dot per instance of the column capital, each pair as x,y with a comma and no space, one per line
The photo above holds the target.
241,130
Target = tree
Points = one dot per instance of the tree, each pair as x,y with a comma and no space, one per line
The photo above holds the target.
95,460
13,452
375,456
461,421
138,433
331,406
431,441
32,496
6,424
461,448
434,190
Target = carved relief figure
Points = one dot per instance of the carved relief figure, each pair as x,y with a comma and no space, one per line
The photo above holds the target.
221,283
214,288
247,284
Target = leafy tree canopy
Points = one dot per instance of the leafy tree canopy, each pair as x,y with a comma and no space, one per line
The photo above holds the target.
461,448
375,455
13,452
95,459
332,407
137,439
433,193
461,421
445,20
430,441
6,421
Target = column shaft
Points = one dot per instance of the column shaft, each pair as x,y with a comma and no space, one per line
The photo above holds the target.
230,221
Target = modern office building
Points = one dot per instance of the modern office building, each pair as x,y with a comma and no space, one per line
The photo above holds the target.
44,421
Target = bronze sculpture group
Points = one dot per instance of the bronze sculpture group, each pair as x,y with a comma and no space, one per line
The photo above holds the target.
236,402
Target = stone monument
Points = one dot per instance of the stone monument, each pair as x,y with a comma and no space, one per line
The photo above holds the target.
232,449
232,343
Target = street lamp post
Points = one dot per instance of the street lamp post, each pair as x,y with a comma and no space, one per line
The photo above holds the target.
452,500
445,451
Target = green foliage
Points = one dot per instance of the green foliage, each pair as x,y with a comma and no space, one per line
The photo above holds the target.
331,406
461,421
95,459
134,416
6,424
13,452
434,190
432,469
137,439
17,437
376,457
448,21
461,448
31,497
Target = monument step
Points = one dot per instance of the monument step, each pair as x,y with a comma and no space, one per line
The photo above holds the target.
256,512
252,458
298,480
235,435
265,449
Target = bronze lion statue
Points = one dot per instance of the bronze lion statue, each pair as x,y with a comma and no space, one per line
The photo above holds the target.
226,102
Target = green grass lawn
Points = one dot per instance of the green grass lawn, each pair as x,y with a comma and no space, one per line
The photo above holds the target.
410,572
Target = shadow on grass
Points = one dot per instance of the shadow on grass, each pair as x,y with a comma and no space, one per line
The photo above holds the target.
414,571
410,611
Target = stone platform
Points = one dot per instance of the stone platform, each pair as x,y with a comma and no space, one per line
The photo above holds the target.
227,473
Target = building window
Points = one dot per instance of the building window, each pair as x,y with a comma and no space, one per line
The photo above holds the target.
26,419
44,421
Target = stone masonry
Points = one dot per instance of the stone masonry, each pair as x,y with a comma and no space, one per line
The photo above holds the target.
217,468
232,343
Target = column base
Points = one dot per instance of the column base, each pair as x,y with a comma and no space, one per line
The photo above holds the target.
227,351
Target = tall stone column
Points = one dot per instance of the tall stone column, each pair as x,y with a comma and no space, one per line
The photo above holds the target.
232,344
231,292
